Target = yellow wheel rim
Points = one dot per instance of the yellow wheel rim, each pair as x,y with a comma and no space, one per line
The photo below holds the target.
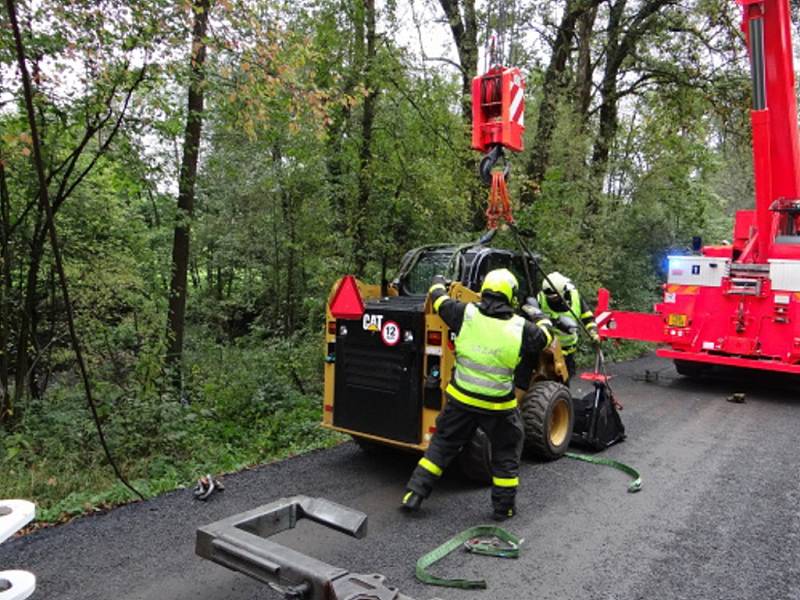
559,423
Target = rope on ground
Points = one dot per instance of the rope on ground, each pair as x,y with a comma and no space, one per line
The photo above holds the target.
500,543
633,486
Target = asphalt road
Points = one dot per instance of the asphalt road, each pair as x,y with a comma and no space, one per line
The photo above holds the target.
718,516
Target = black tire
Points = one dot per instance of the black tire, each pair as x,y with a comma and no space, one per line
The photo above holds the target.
691,369
548,416
475,459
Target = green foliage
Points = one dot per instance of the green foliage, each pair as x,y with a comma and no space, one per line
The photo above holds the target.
246,408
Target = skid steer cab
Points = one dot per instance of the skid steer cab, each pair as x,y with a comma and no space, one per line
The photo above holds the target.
389,358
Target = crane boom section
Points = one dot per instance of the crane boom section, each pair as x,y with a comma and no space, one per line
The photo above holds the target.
776,154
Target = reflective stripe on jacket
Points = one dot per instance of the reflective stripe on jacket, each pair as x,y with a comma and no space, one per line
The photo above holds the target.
569,341
487,352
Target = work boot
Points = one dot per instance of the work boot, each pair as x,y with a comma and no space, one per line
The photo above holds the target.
503,514
411,501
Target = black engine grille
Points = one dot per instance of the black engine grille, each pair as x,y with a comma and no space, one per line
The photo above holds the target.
378,387
373,370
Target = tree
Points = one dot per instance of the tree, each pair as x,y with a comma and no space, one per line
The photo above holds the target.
463,21
624,33
76,134
186,189
554,84
47,209
370,83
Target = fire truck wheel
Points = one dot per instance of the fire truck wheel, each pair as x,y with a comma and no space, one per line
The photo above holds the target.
548,417
475,459
688,368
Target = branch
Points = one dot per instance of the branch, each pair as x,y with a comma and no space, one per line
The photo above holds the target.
104,146
421,114
452,63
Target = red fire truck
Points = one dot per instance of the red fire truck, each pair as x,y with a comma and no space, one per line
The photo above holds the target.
739,304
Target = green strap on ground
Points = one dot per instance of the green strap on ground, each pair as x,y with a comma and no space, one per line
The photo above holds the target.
476,539
490,540
633,486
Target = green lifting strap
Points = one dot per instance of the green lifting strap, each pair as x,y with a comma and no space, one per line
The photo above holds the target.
474,540
633,486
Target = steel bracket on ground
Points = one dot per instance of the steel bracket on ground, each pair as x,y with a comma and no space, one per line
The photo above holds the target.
14,515
240,543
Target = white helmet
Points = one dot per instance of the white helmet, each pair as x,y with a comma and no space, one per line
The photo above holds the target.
561,283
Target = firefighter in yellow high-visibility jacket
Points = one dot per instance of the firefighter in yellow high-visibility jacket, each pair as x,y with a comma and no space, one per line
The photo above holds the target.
555,287
491,340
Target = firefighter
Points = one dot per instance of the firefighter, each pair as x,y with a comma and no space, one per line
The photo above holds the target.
555,287
491,342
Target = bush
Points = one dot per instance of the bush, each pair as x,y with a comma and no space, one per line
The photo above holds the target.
248,403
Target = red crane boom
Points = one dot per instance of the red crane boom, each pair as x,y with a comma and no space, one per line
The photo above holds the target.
766,25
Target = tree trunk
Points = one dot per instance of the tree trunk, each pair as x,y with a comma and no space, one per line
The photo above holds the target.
360,242
583,68
186,184
463,21
608,106
624,32
6,406
288,213
465,35
291,257
554,85
28,307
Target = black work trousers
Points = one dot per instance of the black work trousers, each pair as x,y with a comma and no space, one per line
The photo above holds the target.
572,367
455,426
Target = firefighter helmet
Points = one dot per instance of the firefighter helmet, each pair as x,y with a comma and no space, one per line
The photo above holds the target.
555,283
501,281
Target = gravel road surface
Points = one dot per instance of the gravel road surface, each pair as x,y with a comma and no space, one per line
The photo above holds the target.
718,516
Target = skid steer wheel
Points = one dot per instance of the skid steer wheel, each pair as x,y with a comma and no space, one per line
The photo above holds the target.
548,417
369,446
475,459
688,368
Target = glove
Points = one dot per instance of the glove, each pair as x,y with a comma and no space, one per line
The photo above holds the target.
595,338
532,310
566,324
440,279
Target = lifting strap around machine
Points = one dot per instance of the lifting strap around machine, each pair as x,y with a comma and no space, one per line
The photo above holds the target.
488,540
499,202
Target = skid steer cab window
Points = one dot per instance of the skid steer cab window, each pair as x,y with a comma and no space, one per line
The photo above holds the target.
418,280
502,260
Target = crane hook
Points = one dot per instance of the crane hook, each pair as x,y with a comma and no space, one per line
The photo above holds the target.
488,162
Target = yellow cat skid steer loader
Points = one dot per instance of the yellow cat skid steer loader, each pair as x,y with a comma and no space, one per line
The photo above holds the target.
389,358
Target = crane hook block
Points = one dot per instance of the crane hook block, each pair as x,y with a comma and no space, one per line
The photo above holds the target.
498,109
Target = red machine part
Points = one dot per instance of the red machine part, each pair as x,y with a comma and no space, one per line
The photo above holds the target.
738,304
347,302
498,109
736,324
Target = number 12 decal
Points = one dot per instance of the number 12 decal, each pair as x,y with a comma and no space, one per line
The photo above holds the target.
390,333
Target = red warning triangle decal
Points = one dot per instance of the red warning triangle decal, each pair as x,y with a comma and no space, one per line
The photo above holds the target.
347,303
